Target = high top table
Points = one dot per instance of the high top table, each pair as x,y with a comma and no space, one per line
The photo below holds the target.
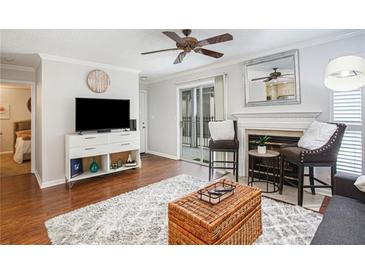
270,157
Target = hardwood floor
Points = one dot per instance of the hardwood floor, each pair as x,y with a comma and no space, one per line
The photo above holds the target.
10,168
25,207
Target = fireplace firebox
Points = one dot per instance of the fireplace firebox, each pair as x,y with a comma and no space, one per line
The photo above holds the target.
274,143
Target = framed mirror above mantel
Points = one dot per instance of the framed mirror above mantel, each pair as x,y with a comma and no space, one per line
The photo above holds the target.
272,80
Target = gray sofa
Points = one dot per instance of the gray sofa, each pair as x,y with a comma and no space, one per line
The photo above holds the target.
344,220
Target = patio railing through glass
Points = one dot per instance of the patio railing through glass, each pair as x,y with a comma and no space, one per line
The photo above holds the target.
191,131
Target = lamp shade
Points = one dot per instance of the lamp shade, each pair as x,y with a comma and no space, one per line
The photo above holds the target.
345,73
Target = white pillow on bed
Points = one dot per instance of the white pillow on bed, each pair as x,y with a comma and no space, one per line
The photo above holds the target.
360,183
317,135
223,130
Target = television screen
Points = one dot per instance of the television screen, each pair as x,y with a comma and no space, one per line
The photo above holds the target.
101,114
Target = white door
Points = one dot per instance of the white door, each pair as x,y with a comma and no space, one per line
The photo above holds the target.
143,119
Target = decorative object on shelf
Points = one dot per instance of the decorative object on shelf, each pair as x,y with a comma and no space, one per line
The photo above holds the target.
98,81
129,159
76,167
217,192
261,144
119,163
345,73
29,105
5,111
272,80
94,167
130,162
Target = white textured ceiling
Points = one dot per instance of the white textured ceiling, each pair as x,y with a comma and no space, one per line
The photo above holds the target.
123,47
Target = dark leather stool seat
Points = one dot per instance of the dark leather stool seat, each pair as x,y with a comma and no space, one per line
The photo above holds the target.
292,153
223,144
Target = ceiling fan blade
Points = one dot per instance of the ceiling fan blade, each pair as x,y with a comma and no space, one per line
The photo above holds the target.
216,39
172,35
286,74
180,57
261,78
208,52
156,51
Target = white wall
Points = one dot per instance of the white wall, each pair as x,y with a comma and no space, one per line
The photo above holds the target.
17,98
16,74
38,134
315,96
62,82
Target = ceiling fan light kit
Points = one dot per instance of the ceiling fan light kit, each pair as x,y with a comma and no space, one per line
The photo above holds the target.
188,44
345,73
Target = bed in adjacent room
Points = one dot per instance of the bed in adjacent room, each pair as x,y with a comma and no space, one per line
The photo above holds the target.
22,141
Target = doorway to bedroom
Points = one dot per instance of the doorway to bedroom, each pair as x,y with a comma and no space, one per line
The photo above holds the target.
15,129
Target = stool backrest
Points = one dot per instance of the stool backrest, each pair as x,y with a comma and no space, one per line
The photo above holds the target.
234,126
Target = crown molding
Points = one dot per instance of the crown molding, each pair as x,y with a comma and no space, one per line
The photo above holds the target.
300,45
63,59
15,67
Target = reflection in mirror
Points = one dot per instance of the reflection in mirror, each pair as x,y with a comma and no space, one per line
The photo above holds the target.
272,80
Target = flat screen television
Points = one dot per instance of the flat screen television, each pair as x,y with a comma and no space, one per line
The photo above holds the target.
101,114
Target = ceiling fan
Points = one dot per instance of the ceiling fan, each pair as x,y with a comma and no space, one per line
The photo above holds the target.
272,76
188,44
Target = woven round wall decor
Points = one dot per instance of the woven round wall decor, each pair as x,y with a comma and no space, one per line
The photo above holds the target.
98,81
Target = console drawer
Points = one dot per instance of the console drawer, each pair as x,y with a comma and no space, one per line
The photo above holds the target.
88,140
125,146
80,152
120,137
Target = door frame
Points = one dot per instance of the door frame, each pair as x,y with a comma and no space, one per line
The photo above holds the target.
32,117
145,118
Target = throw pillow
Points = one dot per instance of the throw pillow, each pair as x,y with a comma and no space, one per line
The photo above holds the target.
223,130
317,135
360,183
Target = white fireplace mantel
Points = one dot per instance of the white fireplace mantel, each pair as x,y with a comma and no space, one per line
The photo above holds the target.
284,121
277,114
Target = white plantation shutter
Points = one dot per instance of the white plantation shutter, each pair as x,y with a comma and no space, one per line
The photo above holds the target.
347,109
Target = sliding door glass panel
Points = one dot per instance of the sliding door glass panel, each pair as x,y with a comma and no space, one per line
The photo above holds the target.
189,148
208,115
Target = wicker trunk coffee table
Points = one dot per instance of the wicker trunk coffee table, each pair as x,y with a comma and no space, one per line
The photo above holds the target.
235,220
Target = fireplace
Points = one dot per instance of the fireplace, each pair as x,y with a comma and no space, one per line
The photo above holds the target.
278,123
274,143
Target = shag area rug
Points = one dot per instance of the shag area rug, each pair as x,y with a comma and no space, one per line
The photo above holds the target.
140,217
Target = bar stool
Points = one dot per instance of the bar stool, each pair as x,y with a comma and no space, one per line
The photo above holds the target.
325,156
229,146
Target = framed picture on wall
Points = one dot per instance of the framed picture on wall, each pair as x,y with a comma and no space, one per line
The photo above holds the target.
5,111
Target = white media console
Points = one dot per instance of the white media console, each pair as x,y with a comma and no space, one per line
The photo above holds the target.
103,148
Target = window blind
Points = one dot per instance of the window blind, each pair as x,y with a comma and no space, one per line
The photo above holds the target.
347,109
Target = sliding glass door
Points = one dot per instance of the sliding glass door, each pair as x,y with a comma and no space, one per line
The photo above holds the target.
198,107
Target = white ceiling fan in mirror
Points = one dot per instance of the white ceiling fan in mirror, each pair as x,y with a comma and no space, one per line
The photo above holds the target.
272,80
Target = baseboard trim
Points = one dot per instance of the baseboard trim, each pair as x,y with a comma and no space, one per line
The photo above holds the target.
173,157
39,179
6,152
53,183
